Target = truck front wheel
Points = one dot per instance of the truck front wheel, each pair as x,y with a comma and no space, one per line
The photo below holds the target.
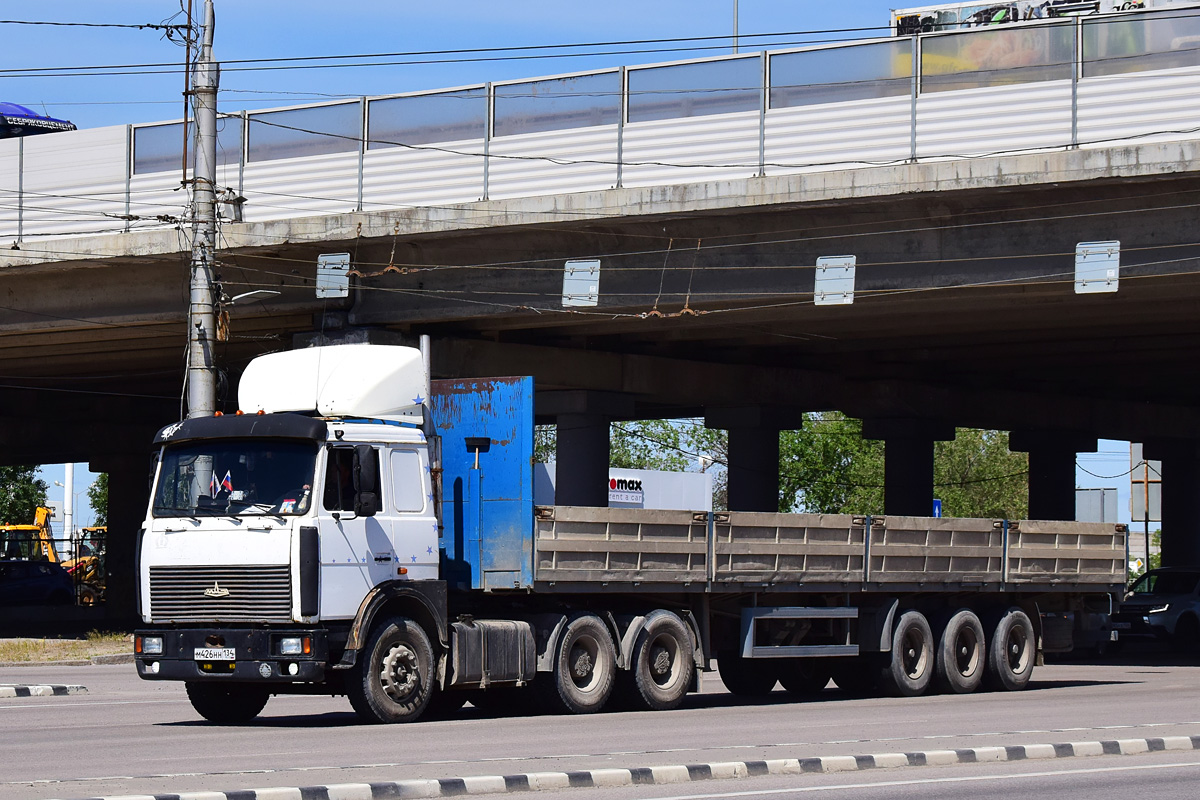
585,666
393,679
227,703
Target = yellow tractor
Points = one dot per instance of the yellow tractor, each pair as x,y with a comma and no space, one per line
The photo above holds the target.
29,542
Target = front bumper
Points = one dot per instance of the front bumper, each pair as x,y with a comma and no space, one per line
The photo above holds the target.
1136,625
256,655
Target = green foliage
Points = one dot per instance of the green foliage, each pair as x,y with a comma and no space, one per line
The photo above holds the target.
828,468
98,498
21,492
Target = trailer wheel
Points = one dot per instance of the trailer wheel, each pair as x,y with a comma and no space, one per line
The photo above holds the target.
585,666
1011,652
910,670
662,665
227,703
748,677
805,676
961,654
393,679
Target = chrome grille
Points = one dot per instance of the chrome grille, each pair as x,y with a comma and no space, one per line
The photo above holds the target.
218,594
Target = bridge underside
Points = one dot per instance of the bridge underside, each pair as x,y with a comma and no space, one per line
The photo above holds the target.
964,314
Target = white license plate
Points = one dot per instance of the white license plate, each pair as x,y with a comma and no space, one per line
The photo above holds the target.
215,654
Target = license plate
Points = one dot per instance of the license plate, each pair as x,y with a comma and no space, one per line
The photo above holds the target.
215,654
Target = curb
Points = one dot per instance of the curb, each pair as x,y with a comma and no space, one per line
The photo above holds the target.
649,776
39,690
113,658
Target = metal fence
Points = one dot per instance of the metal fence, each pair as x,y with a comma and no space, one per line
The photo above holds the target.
1071,83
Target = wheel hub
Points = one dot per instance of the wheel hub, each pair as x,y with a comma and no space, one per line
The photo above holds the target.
399,672
660,661
582,664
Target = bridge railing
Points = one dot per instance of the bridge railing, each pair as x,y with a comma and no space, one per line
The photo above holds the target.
1073,83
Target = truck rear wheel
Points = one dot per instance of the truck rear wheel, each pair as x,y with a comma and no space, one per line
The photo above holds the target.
748,677
393,679
961,654
662,665
1010,654
910,670
585,666
227,703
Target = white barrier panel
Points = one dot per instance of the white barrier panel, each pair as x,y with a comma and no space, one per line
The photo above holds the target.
834,135
10,182
1155,106
1025,116
588,159
712,147
429,175
75,181
297,187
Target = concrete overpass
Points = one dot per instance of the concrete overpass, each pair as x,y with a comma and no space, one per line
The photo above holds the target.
965,313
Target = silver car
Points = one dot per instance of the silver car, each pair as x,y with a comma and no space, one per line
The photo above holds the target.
1164,604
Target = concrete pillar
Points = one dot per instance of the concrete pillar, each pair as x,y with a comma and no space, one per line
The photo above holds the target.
581,460
1051,469
753,469
581,444
1180,488
128,498
907,462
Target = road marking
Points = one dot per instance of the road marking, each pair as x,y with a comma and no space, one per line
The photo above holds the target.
926,781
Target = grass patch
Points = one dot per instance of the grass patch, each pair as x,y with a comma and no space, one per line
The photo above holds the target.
96,643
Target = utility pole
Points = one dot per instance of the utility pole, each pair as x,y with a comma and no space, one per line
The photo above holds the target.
201,374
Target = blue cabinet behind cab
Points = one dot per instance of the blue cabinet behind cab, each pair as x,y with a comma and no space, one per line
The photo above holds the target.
486,430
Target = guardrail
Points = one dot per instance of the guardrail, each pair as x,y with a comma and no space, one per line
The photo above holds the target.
1070,83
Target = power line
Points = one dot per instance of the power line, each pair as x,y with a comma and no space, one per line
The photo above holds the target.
138,26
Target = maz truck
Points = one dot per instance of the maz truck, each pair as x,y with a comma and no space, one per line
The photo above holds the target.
357,530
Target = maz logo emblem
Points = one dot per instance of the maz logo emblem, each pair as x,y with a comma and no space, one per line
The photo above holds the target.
216,591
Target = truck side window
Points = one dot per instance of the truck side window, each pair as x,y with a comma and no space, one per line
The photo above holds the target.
338,494
408,485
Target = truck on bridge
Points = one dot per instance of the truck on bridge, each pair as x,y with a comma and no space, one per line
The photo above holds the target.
357,529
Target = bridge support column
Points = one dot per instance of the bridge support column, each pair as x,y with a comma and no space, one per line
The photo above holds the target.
582,442
753,470
1051,469
907,462
128,498
1180,488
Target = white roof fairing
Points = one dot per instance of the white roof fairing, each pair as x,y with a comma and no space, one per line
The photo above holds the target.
348,380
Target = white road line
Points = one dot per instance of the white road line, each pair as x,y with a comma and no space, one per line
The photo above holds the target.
926,781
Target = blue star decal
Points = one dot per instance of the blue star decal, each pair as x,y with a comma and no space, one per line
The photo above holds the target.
414,558
418,399
429,551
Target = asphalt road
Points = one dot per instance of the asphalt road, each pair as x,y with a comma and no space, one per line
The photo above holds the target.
127,736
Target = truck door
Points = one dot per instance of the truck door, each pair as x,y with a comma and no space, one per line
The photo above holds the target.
356,539
410,501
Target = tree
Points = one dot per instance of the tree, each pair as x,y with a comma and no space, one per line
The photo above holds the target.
827,467
21,492
98,498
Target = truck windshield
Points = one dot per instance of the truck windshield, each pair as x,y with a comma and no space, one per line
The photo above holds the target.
239,477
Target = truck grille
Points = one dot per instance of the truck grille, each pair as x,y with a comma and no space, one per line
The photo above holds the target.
218,594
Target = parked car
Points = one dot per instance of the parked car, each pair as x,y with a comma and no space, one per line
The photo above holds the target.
1163,604
29,583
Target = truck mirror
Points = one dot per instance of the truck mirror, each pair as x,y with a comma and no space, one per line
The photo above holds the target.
366,481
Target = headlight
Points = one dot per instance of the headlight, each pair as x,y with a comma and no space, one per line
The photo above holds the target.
290,646
1160,609
152,645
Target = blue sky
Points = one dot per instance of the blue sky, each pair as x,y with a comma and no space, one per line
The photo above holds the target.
274,29
250,29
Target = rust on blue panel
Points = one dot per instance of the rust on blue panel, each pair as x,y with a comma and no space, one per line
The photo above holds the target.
486,431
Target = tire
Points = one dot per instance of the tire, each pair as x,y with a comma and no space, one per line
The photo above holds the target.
227,703
1011,652
393,679
805,676
88,596
585,667
747,677
961,654
661,666
1187,635
911,666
